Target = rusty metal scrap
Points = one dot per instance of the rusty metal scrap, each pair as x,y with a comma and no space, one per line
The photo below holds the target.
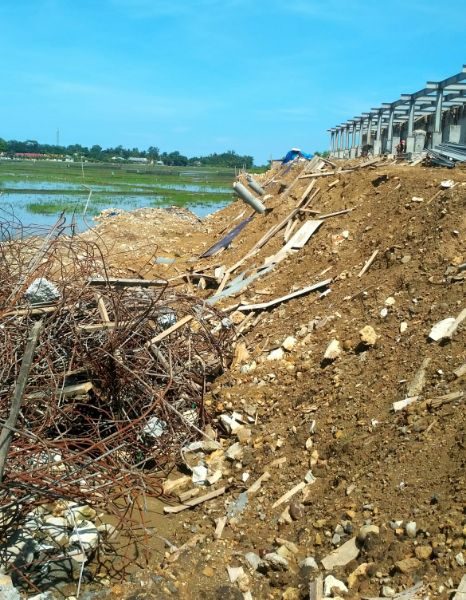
103,410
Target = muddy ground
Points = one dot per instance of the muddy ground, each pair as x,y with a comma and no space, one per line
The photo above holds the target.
333,417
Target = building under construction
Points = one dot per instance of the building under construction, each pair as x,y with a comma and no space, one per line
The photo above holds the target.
425,119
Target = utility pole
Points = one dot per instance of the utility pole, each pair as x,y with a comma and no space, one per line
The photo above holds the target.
58,136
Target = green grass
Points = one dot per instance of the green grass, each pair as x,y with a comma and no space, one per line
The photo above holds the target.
52,208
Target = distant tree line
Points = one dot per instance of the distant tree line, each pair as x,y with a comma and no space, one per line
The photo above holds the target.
97,153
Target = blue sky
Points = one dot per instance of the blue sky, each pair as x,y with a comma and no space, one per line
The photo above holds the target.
202,76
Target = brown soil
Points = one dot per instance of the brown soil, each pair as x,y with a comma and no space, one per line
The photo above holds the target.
371,465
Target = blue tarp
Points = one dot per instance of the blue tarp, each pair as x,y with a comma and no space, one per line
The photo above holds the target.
295,153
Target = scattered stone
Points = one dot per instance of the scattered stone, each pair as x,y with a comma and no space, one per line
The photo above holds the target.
253,559
406,258
331,583
423,552
388,592
296,511
208,571
289,343
367,530
408,565
411,529
460,559
291,593
368,335
41,291
440,330
390,301
403,326
360,571
277,354
235,573
309,563
86,536
333,350
276,562
7,590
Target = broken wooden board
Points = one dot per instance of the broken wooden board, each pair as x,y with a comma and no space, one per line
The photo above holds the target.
170,330
368,263
341,556
297,241
302,292
194,501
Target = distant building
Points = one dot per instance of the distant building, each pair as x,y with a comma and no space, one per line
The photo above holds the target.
30,155
136,159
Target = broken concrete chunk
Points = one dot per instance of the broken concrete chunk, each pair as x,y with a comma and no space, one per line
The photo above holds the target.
408,565
368,335
289,343
332,583
276,354
440,330
341,556
333,350
276,562
41,291
400,404
253,560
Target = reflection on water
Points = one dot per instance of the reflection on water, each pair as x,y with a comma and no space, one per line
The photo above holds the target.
43,209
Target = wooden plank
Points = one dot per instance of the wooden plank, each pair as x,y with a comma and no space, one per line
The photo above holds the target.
368,263
170,330
460,371
114,281
297,241
289,494
194,501
335,214
102,308
314,175
265,238
301,292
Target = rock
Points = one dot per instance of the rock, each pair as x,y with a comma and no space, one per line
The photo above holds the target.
309,563
154,427
253,560
41,291
390,301
276,562
333,350
244,435
235,573
331,583
408,565
7,590
439,330
296,511
291,593
403,326
85,536
367,530
423,552
384,312
368,335
341,556
336,539
406,258
234,452
360,571
447,183
228,592
411,529
388,592
276,354
289,343
208,571
460,559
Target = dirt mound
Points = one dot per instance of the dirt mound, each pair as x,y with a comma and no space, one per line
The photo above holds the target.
314,383
371,465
